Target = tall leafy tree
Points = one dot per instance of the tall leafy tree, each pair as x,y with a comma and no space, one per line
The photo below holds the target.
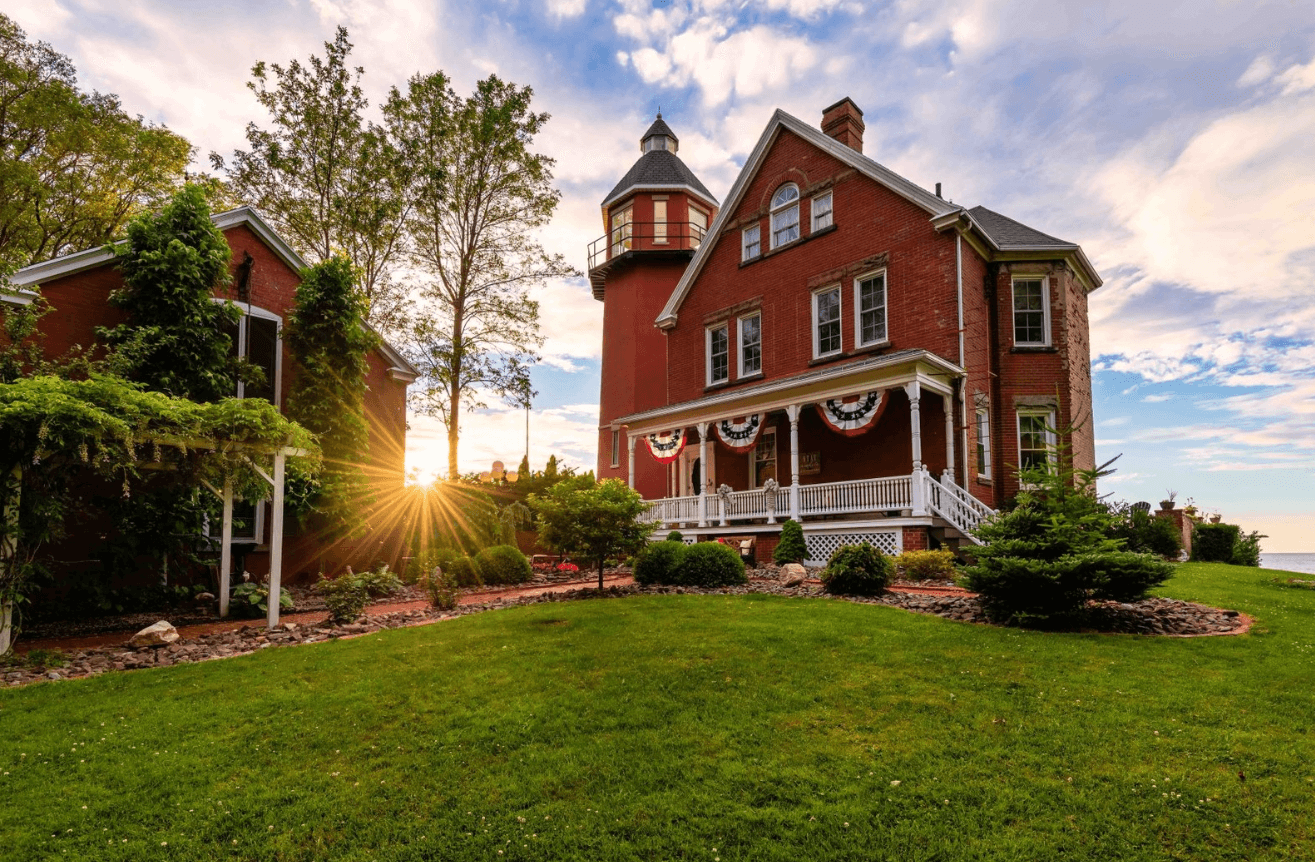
595,521
479,196
330,182
327,339
74,167
176,339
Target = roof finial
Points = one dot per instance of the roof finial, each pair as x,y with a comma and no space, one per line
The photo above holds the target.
659,116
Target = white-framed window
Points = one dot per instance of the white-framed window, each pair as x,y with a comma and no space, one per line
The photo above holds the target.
248,523
983,442
821,210
659,221
826,321
1031,311
751,344
698,226
870,309
785,215
1036,438
719,354
764,458
751,242
258,338
616,447
622,230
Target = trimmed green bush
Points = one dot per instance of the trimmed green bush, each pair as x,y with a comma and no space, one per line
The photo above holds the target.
346,596
380,582
857,570
710,564
675,536
1214,543
791,547
659,563
503,564
1145,533
925,565
464,571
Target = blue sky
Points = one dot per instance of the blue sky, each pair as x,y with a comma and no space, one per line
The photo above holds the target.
1172,140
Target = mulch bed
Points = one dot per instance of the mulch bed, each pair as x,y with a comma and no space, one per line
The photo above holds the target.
1155,616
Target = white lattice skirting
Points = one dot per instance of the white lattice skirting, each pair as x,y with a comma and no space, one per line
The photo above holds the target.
821,545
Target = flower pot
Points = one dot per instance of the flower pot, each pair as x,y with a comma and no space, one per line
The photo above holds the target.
1166,505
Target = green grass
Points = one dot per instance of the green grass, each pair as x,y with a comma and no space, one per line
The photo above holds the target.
690,727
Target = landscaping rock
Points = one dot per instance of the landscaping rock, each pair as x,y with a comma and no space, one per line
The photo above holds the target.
202,598
159,634
793,574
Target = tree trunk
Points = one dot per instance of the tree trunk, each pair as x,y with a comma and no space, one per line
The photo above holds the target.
9,556
452,436
600,573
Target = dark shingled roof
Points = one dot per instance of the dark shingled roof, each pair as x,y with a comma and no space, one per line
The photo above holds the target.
659,168
659,128
1008,233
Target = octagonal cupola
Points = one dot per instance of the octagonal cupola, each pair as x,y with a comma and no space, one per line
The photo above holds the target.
659,137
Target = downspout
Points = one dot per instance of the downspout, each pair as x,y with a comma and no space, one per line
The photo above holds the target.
963,385
993,380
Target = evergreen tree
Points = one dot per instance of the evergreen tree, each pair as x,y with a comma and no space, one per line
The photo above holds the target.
791,548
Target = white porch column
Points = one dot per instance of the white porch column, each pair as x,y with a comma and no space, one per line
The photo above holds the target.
226,547
703,473
914,391
949,437
630,456
792,413
276,540
8,549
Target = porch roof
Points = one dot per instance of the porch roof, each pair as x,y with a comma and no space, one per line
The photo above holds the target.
808,387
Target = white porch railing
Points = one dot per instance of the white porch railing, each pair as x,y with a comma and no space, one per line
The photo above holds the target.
675,510
962,510
857,496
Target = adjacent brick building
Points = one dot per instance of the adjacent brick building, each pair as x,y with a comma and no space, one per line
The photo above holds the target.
833,343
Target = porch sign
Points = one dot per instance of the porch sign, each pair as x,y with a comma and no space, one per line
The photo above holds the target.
740,436
852,418
666,447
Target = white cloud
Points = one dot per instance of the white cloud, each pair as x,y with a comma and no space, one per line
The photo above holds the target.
1260,71
1155,399
567,8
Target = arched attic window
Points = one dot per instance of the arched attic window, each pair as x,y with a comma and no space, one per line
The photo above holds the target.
785,215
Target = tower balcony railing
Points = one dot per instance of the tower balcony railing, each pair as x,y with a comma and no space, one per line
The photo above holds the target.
645,236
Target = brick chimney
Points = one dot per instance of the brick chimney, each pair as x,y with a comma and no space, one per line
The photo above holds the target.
844,122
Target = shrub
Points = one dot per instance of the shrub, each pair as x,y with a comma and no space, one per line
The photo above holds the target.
252,600
503,564
380,582
1247,550
1215,543
1144,533
675,536
345,596
710,564
441,589
464,571
857,570
659,562
925,565
791,547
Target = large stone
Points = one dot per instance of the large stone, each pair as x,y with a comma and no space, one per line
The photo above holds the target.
793,575
159,634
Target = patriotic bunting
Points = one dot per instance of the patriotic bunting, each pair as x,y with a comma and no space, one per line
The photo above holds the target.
666,447
740,436
853,415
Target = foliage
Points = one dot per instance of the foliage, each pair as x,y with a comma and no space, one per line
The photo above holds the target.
252,600
1144,533
710,564
857,570
380,581
503,564
1247,550
592,521
452,515
345,596
481,193
925,565
1052,553
327,338
659,562
1225,543
675,536
45,658
465,572
74,166
176,340
441,587
791,547
330,182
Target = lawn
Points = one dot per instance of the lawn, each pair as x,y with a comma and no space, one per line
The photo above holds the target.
690,727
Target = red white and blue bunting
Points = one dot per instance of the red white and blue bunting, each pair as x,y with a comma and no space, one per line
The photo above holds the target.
666,447
740,436
854,414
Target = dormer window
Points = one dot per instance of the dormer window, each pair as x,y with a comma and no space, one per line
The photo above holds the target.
785,215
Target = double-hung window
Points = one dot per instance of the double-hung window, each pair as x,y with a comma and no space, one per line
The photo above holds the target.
622,228
983,442
1035,438
785,215
719,354
870,309
1031,312
821,211
616,447
751,242
659,221
256,339
751,345
698,226
826,322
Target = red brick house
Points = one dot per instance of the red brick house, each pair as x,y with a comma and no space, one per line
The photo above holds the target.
834,344
265,278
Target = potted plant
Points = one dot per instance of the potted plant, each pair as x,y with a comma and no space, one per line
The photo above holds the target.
1190,508
1167,503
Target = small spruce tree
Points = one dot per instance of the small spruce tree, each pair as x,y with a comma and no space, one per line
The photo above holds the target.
791,548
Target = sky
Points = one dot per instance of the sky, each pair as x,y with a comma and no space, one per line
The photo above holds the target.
1175,141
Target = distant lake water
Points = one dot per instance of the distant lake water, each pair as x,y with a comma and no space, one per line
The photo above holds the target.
1289,562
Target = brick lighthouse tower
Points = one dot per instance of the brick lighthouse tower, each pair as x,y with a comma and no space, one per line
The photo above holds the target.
654,220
